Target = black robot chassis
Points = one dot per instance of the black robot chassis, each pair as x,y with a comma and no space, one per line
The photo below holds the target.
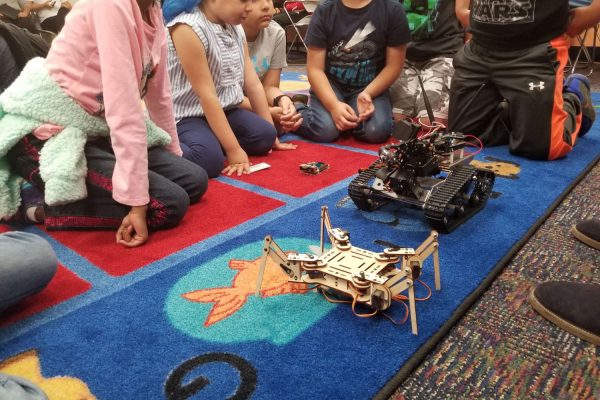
431,173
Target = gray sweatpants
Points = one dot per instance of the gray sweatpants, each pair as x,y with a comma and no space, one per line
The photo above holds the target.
28,264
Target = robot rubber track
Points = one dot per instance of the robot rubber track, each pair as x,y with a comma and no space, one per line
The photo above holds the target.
450,204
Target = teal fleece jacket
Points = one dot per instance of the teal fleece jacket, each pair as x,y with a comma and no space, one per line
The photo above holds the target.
34,99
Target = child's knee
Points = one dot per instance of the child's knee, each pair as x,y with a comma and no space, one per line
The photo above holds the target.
168,211
324,131
198,184
328,133
25,251
257,138
212,162
375,130
317,125
266,140
179,206
48,263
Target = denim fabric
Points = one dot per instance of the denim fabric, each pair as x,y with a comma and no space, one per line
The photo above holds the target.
28,264
200,145
579,3
318,124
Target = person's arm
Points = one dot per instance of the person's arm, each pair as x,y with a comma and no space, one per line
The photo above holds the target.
270,82
192,57
284,113
394,62
343,115
461,9
254,89
31,6
258,100
159,101
582,18
25,10
276,46
124,116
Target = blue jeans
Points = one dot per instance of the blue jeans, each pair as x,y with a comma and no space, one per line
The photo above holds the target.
579,3
28,264
200,145
318,124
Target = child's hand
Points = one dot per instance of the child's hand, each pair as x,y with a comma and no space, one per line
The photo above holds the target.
238,162
289,119
463,16
344,117
364,104
133,231
288,122
284,146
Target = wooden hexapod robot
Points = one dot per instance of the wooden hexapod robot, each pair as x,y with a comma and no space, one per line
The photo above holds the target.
369,278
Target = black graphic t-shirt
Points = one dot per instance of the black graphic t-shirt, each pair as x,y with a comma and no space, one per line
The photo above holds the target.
434,28
517,24
356,39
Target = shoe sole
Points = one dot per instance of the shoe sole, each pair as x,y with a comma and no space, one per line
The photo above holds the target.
562,323
585,239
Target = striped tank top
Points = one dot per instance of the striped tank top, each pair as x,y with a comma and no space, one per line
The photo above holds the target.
224,48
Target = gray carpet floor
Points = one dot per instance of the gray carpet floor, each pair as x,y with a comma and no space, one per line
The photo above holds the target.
502,349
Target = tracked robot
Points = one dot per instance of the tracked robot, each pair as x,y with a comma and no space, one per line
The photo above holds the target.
371,279
430,172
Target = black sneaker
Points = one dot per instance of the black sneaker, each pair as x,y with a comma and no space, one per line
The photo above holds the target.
580,85
570,306
588,232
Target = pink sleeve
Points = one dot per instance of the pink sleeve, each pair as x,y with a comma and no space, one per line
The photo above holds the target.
159,100
112,24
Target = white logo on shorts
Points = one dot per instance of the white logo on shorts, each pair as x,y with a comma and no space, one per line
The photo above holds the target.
540,86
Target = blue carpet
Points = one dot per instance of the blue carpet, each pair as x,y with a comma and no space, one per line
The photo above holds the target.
138,337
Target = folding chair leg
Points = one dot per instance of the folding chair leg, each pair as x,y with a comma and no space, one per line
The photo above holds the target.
291,45
588,58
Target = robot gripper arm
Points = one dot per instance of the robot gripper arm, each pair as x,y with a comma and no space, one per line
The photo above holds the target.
270,249
338,237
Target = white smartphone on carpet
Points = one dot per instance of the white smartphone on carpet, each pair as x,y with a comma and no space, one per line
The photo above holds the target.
258,167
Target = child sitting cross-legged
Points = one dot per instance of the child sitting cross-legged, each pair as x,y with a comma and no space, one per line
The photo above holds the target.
356,51
210,70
